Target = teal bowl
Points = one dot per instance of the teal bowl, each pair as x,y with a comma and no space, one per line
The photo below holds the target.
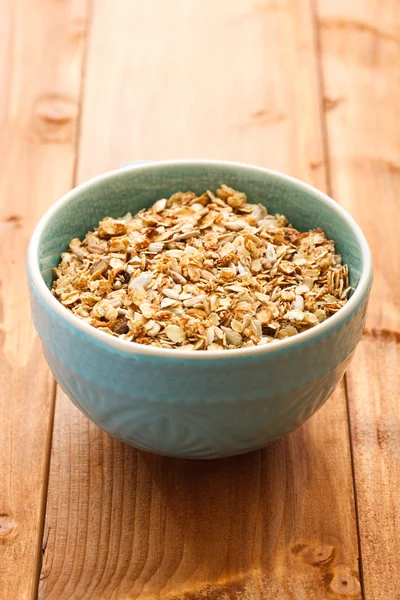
195,404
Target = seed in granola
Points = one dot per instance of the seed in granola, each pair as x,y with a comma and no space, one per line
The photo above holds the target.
232,337
121,328
143,280
298,303
190,302
285,332
178,278
175,333
237,225
155,247
98,268
237,326
208,272
96,249
270,253
210,335
264,316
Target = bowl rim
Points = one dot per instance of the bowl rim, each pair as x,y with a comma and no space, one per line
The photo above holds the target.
133,348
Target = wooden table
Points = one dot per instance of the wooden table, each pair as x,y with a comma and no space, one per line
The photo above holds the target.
311,88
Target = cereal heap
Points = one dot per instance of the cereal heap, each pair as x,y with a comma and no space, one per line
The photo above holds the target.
207,272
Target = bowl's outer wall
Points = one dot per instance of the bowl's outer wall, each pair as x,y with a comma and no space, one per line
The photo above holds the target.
187,407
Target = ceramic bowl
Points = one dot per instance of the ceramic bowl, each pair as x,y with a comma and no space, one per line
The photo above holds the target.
195,404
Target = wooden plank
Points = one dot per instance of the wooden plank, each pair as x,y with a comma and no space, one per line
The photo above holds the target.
373,387
40,62
171,94
277,524
361,59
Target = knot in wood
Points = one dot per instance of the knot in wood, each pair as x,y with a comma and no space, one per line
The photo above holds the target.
318,554
55,109
77,29
54,118
345,585
7,525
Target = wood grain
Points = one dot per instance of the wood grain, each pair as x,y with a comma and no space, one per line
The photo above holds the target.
360,44
205,80
234,80
276,524
40,62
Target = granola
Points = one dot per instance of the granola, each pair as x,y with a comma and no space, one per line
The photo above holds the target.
207,272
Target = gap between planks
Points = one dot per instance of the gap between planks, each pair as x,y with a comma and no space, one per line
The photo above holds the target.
42,542
326,150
